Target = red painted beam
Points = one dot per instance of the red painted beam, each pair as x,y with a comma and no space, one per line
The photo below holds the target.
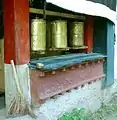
16,31
50,85
88,34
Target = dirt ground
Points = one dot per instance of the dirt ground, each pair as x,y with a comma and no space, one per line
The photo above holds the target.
114,117
2,113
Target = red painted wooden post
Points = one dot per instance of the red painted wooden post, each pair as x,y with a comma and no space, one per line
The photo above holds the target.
88,34
16,31
17,48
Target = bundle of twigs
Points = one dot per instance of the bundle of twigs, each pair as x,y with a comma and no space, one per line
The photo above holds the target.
19,105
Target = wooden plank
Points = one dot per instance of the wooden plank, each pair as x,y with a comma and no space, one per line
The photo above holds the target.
0,62
59,49
51,13
1,65
79,47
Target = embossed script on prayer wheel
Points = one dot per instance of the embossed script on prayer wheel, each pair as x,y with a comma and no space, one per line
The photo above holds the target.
59,34
38,35
76,34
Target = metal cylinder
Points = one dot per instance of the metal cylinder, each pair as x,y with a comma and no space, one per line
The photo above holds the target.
59,34
76,34
38,35
48,35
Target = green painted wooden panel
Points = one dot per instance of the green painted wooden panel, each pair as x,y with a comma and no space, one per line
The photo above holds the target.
104,43
100,36
110,53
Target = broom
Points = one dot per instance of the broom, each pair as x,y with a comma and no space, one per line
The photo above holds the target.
19,105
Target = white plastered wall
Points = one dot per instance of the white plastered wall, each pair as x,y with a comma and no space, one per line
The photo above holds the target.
86,7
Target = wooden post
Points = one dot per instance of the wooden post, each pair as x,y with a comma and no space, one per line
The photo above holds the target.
88,34
109,64
16,31
104,44
1,65
17,46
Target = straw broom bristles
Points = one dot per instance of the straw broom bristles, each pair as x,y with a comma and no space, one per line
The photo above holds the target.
19,105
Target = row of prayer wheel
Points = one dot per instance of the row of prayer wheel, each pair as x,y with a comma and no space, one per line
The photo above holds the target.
56,34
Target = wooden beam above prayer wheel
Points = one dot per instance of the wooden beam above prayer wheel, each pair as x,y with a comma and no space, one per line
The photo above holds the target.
52,13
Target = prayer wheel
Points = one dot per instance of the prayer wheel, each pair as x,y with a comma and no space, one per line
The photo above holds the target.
38,35
59,34
48,35
76,34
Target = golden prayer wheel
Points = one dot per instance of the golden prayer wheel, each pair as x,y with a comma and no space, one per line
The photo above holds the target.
59,34
38,35
48,35
76,34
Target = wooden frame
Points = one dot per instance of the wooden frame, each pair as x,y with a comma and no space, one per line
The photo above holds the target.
51,13
1,65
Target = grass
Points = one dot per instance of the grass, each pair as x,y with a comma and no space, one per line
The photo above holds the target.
76,114
101,114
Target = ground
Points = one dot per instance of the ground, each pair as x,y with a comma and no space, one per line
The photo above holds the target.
2,113
90,96
114,117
